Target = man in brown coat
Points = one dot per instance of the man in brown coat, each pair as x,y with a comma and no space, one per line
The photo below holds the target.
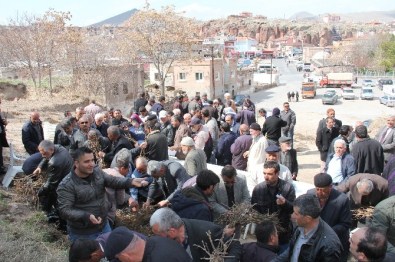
365,193
364,190
181,131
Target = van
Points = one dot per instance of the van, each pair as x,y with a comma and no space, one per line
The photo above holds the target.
384,82
389,89
367,93
266,68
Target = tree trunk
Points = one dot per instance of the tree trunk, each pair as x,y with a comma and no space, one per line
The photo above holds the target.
50,79
162,87
32,75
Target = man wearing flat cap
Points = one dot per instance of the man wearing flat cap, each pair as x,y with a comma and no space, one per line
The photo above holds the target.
125,246
256,156
273,154
288,156
335,209
272,127
195,160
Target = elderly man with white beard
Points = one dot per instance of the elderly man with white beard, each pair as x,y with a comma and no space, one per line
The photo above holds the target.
256,156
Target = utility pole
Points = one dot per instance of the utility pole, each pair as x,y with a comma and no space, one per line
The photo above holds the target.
212,74
323,61
271,69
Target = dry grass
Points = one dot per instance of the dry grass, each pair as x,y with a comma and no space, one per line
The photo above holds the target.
26,236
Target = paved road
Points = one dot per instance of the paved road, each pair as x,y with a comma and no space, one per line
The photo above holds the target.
310,111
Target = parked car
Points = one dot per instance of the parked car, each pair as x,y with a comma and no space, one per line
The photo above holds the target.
239,99
330,97
383,82
348,93
367,93
367,82
388,100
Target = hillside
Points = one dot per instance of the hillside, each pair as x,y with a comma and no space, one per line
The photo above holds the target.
115,20
363,17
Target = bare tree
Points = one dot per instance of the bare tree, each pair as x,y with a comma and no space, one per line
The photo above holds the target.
35,43
161,36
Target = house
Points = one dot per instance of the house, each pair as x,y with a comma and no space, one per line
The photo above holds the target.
196,78
118,85
331,18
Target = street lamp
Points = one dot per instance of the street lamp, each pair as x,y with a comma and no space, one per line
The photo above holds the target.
211,42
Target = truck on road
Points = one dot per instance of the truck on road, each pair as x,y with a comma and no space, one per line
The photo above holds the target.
308,89
337,80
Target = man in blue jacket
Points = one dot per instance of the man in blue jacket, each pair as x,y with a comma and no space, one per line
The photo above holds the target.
340,165
223,153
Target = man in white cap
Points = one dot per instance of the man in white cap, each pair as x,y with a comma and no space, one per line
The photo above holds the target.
166,128
195,160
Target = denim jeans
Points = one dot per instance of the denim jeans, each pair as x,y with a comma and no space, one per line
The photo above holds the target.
73,237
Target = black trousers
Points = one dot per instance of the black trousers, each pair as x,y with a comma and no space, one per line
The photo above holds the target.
1,157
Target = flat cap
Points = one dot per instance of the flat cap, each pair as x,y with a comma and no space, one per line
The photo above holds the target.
195,121
117,241
322,180
255,126
272,149
284,139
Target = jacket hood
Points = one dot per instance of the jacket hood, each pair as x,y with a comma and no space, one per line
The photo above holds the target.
186,198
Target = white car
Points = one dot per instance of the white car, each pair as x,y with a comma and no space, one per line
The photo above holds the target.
348,93
367,82
388,100
367,93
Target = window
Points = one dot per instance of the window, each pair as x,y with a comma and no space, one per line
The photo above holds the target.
156,77
199,76
125,88
115,91
182,76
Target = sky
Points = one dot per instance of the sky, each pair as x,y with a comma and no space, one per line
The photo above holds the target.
87,12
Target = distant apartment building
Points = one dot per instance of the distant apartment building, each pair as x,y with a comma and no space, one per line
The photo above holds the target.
155,78
246,45
196,78
331,18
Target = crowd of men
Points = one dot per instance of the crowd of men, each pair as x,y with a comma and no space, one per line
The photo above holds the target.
159,155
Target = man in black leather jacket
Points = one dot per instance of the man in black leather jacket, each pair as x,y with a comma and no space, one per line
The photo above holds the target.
313,239
81,196
56,163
